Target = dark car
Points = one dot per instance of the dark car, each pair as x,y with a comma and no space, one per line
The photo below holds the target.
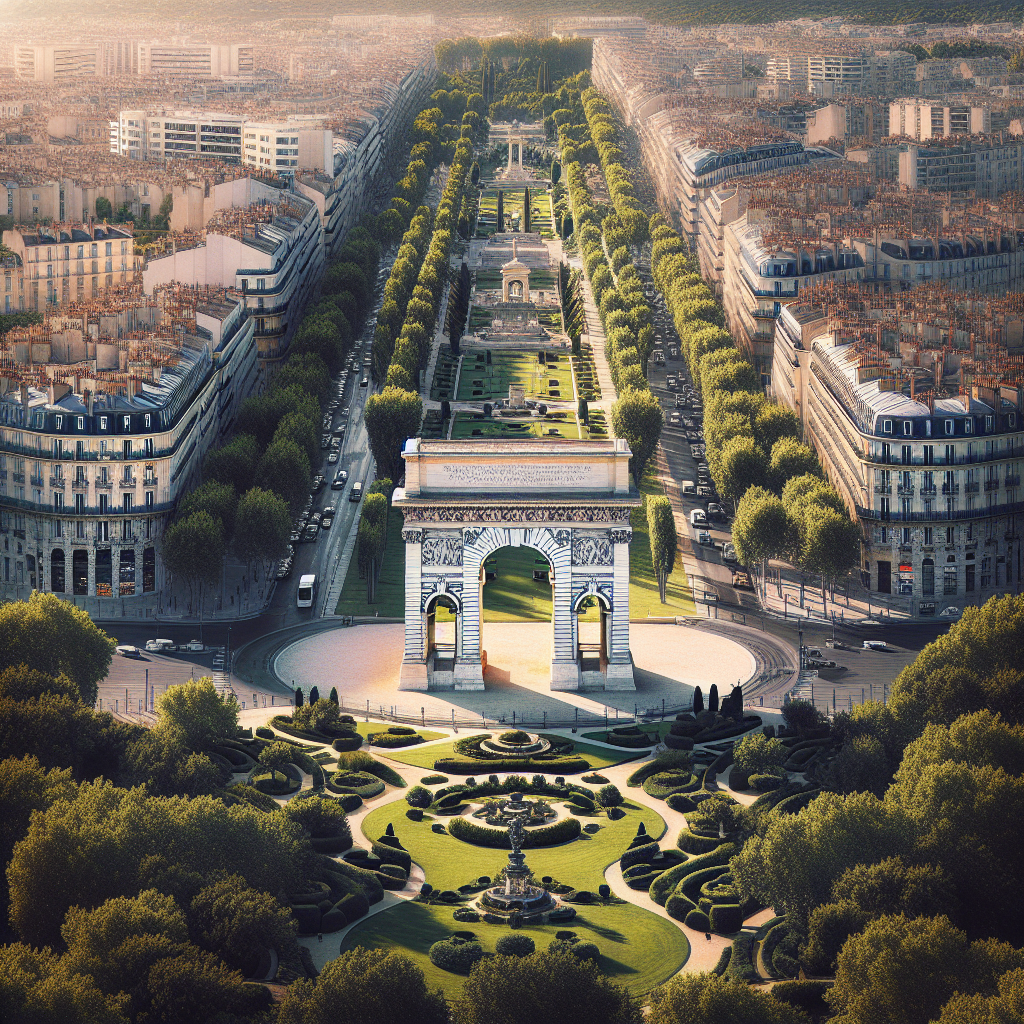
318,483
715,511
310,533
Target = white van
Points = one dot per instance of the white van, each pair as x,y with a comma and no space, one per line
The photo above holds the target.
304,597
689,487
875,645
159,646
698,518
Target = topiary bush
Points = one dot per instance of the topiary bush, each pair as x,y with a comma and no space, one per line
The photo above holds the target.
390,739
466,916
419,796
434,780
361,783
347,741
563,831
264,733
515,944
515,737
414,814
585,951
765,783
455,955
807,995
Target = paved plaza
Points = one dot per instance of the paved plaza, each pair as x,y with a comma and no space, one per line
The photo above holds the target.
364,663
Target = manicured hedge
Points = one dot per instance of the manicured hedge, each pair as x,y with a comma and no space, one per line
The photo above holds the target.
738,778
353,906
694,842
347,741
389,850
572,765
390,739
361,783
765,783
563,831
664,784
723,961
666,883
726,918
642,854
698,920
741,967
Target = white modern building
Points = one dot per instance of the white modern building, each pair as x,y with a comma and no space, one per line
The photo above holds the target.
59,63
918,119
195,60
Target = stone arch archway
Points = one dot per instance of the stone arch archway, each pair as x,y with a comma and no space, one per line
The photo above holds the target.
569,501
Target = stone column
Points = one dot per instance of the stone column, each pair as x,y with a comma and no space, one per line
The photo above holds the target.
414,660
565,668
619,674
510,158
469,671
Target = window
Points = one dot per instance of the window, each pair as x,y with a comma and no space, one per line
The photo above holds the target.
969,578
103,423
927,577
126,449
949,427
905,537
949,580
127,501
950,535
929,536
968,426
908,428
147,446
80,504
58,422
988,424
906,454
886,426
149,501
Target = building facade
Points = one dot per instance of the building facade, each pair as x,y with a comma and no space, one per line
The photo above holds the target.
105,418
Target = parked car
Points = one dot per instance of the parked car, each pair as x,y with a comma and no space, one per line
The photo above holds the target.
688,487
836,644
333,457
704,537
715,511
160,646
698,518
310,533
128,651
325,440
729,552
284,570
364,382
339,480
820,663
703,491
318,483
875,645
195,645
741,580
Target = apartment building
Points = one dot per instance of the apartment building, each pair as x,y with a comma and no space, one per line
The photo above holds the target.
60,63
836,73
265,243
106,412
195,60
921,120
68,263
773,254
928,461
985,165
183,133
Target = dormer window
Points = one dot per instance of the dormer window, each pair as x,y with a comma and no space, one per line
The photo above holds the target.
908,428
886,426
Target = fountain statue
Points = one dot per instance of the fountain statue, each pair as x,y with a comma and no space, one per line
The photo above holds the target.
517,895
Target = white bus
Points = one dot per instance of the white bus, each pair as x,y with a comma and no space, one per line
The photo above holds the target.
304,598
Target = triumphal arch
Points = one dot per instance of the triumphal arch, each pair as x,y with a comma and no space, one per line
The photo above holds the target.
464,500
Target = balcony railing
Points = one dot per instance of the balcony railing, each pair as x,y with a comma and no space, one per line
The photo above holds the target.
991,485
950,488
104,485
971,488
36,481
128,482
906,489
883,489
57,482
929,491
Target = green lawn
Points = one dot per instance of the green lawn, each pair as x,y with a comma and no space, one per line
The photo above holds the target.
638,948
467,426
512,205
390,601
424,757
644,599
483,382
366,728
514,595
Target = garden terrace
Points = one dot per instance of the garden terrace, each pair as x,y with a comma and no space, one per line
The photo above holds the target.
481,381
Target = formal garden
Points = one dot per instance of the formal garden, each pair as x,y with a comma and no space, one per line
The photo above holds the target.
487,374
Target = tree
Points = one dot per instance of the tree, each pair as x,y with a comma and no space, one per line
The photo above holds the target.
263,527
298,696
547,987
790,458
1006,1005
104,209
831,543
801,715
474,173
55,637
320,816
333,698
609,796
303,431
277,754
798,858
308,372
894,886
392,417
759,755
234,463
375,986
698,700
193,548
742,466
239,923
713,698
861,765
284,469
314,695
218,499
638,419
905,969
372,539
761,529
196,714
978,663
36,986
661,527
500,212
708,999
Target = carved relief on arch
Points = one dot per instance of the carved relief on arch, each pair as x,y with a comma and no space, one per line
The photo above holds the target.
592,547
441,547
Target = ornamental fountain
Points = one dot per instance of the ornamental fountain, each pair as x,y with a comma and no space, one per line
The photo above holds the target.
517,895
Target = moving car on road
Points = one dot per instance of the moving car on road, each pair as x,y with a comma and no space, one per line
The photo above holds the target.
304,595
